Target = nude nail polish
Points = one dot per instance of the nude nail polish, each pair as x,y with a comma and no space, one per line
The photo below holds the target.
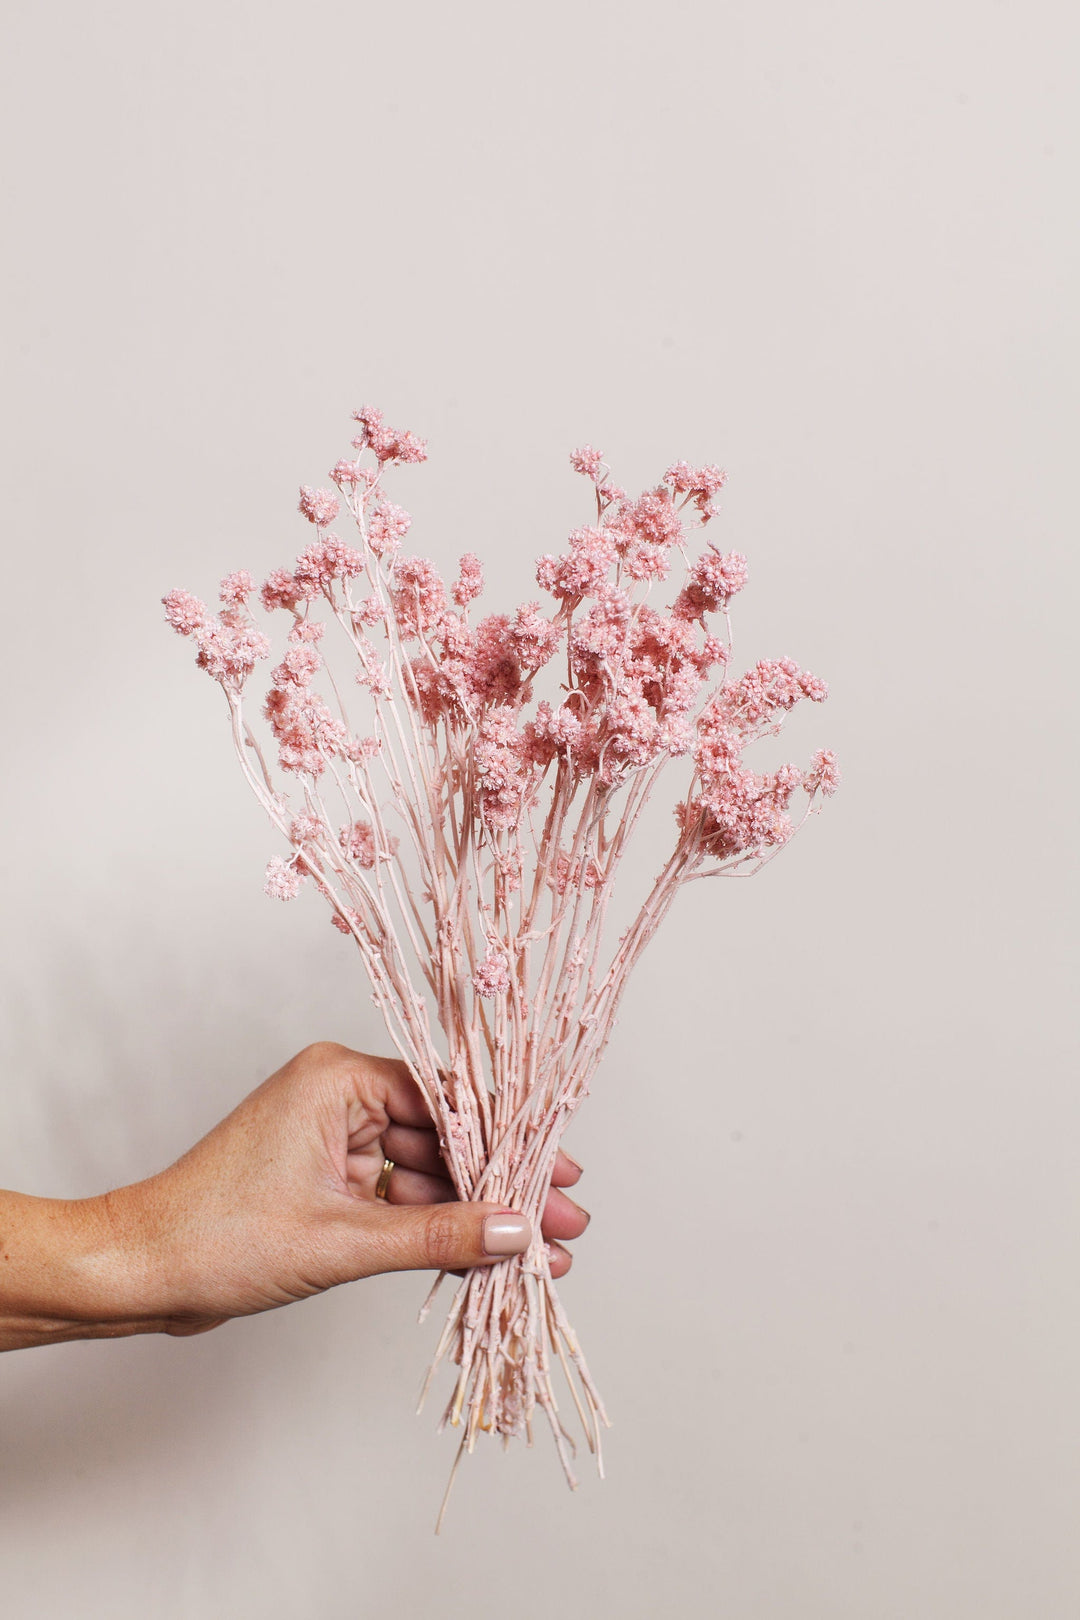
506,1233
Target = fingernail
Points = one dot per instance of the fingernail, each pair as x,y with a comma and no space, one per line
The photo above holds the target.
581,1211
506,1233
579,1168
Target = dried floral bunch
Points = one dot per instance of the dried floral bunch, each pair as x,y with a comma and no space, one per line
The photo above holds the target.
469,835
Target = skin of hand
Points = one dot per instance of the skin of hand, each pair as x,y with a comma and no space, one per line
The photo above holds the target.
275,1204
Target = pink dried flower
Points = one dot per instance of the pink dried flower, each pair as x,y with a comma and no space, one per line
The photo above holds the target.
676,688
319,506
283,881
492,977
387,527
455,640
305,830
533,638
733,573
703,482
632,737
749,706
307,733
228,652
552,733
675,735
433,691
185,612
493,672
587,461
710,480
470,581
370,612
389,444
667,660
652,518
370,420
499,658
281,590
236,588
680,475
710,584
418,595
347,474
598,641
741,815
824,774
502,766
408,448
641,561
376,677
299,665
326,560
358,842
581,571
306,630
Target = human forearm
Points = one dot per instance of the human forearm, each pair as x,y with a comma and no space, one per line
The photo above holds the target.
67,1271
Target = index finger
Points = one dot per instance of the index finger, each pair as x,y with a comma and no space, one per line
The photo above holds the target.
399,1094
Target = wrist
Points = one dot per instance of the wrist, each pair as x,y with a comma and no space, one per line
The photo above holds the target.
71,1269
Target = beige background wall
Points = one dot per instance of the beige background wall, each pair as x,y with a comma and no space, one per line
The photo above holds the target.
831,1285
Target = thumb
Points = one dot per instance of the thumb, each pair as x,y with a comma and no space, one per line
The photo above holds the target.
449,1237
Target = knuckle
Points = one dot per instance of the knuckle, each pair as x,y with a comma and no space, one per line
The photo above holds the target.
442,1238
321,1052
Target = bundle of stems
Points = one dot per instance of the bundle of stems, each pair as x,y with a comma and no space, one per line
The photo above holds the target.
469,835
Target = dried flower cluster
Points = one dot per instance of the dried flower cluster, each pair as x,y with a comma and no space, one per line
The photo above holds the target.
469,835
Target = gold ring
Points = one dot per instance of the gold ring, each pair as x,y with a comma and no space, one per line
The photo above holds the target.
384,1178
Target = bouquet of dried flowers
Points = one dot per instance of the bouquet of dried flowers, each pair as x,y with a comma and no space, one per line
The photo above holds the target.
469,833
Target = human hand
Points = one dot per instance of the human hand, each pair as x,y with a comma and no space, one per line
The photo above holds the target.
278,1201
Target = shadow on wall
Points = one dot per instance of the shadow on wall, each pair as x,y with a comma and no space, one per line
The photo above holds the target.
75,1416
102,1414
